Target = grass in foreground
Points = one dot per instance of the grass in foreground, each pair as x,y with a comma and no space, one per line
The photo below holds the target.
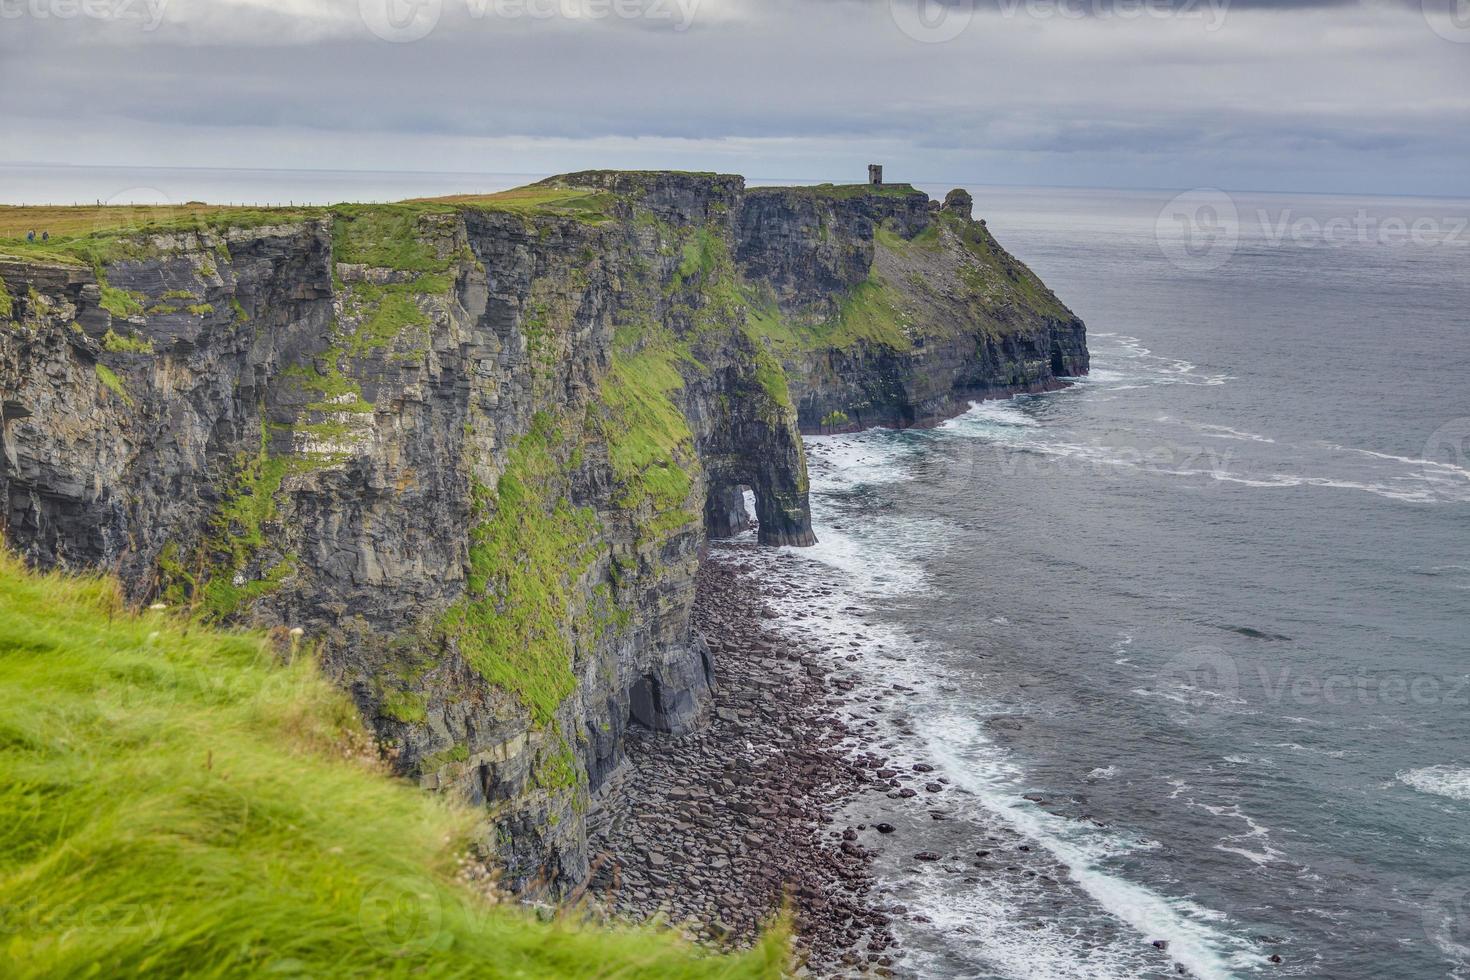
173,801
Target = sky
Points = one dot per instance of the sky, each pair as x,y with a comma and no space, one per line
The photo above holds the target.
1344,96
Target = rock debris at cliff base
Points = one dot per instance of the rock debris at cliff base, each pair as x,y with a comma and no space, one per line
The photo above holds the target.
716,829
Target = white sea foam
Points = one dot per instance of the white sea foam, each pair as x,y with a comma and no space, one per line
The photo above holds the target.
1198,937
880,457
854,459
1450,781
1253,843
1124,362
1309,750
1428,464
999,915
854,558
995,915
1006,413
1226,432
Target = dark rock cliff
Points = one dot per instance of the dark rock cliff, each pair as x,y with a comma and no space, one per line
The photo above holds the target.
473,447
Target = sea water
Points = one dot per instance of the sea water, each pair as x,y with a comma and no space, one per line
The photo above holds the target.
1191,638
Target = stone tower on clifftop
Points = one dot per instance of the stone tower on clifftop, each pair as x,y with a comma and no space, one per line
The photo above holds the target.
875,174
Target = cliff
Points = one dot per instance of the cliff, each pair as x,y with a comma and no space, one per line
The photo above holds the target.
213,807
474,446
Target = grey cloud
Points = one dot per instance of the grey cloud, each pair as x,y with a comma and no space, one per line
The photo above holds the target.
1072,102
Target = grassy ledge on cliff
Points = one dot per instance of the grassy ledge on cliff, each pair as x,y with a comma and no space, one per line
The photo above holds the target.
178,801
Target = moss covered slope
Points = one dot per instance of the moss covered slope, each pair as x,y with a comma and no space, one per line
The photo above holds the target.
175,801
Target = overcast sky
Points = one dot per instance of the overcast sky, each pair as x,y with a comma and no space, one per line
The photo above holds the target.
1370,96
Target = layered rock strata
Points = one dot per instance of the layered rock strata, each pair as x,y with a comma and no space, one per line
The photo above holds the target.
474,447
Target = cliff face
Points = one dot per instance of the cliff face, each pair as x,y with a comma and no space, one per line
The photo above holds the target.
473,447
896,311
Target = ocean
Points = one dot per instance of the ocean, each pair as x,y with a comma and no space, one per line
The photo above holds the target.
1190,639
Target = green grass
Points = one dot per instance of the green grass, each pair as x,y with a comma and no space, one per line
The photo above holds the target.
237,534
394,310
7,311
175,802
772,378
835,419
996,277
84,221
408,707
528,547
868,313
121,303
332,390
700,257
97,236
569,202
648,438
395,313
927,240
109,380
991,284
385,236
116,343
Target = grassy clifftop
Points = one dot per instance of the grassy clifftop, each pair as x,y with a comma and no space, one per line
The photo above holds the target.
173,800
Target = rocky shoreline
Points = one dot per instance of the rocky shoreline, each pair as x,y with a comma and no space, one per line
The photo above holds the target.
714,831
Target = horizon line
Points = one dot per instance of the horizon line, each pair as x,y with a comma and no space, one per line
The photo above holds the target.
752,181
